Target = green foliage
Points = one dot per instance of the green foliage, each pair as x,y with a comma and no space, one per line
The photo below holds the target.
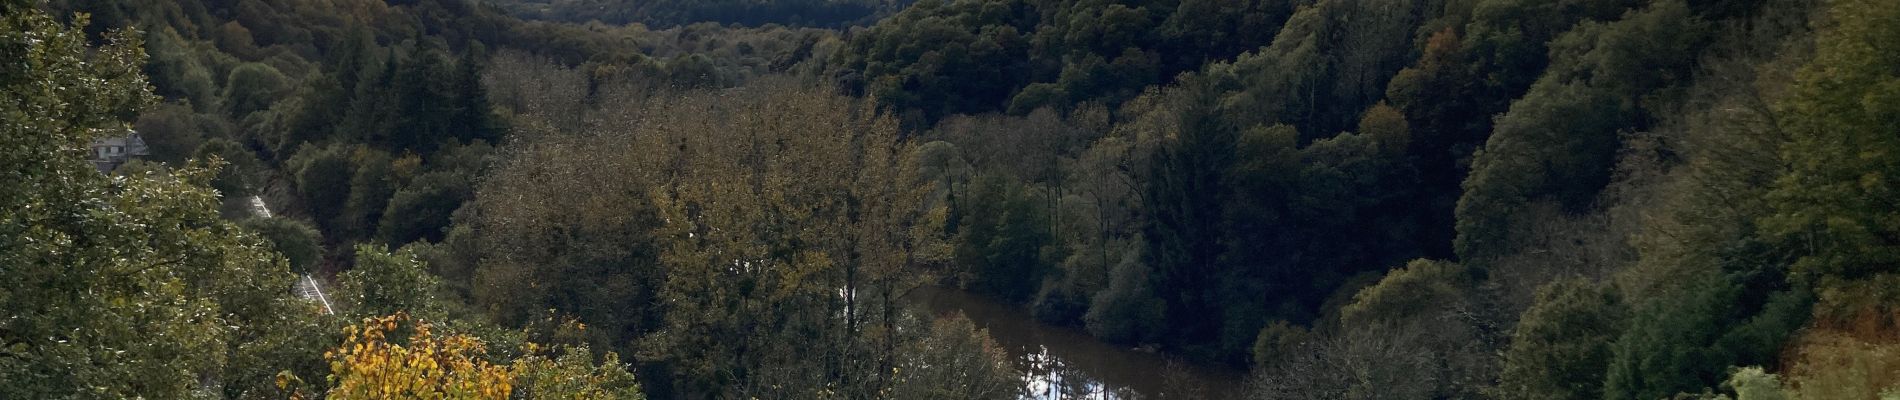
694,71
179,72
1098,212
372,181
421,210
1834,159
1001,236
253,87
1509,39
1228,208
574,373
1568,161
1185,198
1276,342
1266,182
425,100
172,132
1330,61
774,286
1128,310
384,283
1035,96
1363,177
552,365
299,242
1218,29
939,58
122,287
560,225
1752,383
1560,141
1684,341
945,57
48,271
322,178
826,13
955,361
1426,313
238,168
1422,287
1842,111
1448,109
1561,346
1206,176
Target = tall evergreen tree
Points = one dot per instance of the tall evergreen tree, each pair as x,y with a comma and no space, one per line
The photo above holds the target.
1185,198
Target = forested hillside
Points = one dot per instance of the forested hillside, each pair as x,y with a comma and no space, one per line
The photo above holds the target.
1514,199
666,13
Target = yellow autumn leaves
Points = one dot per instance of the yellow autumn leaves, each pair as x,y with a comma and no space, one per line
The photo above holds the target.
400,357
369,366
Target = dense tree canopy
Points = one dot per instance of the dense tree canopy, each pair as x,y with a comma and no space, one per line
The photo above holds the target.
130,286
827,13
1622,199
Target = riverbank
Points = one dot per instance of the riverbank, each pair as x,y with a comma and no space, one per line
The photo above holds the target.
1066,363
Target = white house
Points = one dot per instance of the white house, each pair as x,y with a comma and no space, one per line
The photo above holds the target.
110,152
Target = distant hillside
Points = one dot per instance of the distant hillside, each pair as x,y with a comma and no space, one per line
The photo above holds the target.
663,13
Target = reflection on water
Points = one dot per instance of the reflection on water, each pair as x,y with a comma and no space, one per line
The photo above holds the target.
1065,363
1047,377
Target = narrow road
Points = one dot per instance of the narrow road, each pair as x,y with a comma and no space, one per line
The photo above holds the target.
308,287
310,290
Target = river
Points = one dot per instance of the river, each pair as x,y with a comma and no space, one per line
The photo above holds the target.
1066,363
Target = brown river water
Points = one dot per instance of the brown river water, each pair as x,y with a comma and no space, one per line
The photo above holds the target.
1066,363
